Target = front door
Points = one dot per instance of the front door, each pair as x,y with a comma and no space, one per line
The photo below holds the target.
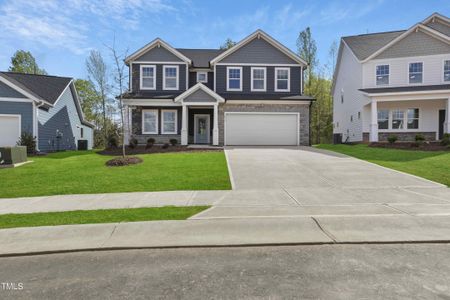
201,129
441,123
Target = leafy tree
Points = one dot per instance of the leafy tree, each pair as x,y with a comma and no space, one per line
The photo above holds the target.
227,44
307,49
23,62
89,98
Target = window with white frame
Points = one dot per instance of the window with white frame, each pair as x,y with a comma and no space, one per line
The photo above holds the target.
202,77
282,78
234,78
447,70
150,121
170,79
258,79
413,118
148,77
382,74
398,117
169,121
383,119
415,72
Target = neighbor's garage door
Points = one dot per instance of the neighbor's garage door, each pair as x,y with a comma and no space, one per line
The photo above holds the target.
261,129
9,130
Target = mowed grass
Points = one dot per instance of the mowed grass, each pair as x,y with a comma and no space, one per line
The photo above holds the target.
74,172
99,216
431,165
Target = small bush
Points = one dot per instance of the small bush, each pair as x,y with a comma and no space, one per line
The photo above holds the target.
28,140
112,142
173,142
392,139
165,146
419,138
150,143
133,143
446,140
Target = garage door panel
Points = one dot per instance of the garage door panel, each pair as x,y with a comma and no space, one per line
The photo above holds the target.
261,129
9,130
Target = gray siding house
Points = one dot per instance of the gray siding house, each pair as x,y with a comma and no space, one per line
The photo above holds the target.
250,94
45,106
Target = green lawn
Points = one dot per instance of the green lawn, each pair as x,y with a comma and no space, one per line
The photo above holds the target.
85,172
99,216
431,165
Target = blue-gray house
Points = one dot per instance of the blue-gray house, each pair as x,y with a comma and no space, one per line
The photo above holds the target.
47,107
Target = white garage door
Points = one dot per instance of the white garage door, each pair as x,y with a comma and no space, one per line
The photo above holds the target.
9,130
262,129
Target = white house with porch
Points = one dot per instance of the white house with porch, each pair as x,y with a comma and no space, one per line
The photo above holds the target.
394,83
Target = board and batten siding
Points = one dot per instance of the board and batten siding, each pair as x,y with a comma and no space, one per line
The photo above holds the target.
8,92
63,117
24,109
433,70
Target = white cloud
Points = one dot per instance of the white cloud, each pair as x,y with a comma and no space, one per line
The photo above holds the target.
336,11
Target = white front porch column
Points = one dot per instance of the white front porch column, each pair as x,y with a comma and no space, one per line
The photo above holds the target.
184,126
216,125
373,121
447,117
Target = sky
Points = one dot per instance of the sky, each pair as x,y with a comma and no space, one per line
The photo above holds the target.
60,34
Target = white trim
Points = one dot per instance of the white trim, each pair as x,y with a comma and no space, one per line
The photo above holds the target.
260,34
141,77
162,121
6,99
302,102
157,43
405,120
196,87
406,93
59,97
276,89
157,121
20,122
208,129
443,70
252,79
22,91
151,102
257,65
215,80
138,62
206,76
423,72
259,113
240,79
389,74
177,78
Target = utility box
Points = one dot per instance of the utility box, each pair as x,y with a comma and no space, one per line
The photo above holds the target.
82,144
13,155
337,138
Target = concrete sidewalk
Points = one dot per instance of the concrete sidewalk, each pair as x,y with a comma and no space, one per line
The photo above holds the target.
226,232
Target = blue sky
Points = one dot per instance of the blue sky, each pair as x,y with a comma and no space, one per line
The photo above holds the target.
60,34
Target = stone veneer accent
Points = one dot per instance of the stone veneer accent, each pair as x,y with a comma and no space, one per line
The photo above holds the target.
303,109
402,136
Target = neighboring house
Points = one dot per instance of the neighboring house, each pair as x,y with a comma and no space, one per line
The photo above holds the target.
250,94
394,83
45,106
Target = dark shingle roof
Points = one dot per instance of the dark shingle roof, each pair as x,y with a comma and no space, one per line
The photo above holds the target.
45,87
267,96
407,89
200,57
365,45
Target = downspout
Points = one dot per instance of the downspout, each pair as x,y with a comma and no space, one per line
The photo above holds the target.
36,122
309,121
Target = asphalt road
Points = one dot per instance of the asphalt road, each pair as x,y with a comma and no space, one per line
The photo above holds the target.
420,271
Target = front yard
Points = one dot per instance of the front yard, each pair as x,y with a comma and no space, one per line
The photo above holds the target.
74,172
432,165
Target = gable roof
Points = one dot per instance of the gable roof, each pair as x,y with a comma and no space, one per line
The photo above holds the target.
199,86
260,34
157,43
200,57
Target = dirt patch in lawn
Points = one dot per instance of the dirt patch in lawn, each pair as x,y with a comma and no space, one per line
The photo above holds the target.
424,146
123,161
154,149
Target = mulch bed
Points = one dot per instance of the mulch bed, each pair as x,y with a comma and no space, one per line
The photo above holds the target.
154,149
424,146
121,161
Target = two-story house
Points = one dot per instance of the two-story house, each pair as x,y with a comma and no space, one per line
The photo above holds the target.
394,83
250,94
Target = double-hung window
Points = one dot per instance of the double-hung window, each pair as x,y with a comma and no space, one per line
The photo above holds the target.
170,79
415,72
169,121
148,77
383,119
398,117
282,78
258,79
234,78
150,121
382,74
413,118
447,70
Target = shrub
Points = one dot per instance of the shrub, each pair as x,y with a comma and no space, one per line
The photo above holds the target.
112,142
28,140
419,138
392,139
150,143
165,146
173,142
445,140
133,143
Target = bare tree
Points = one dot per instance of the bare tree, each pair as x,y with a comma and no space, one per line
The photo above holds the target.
98,75
119,80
